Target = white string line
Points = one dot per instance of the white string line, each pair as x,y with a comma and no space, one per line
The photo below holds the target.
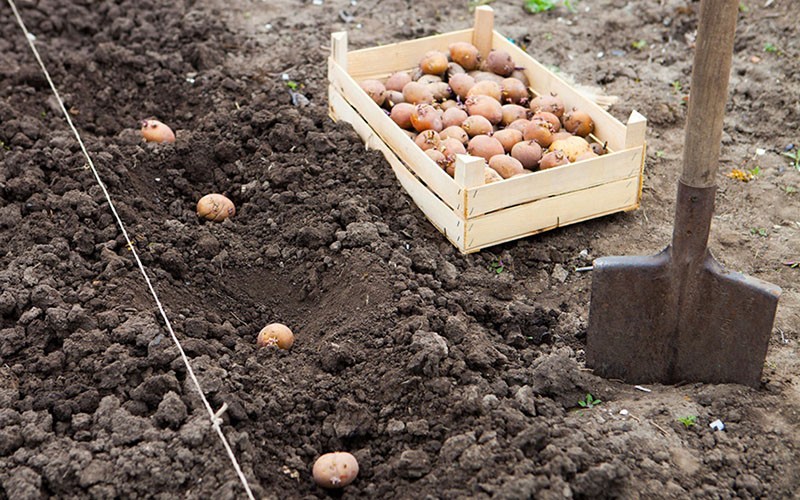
215,417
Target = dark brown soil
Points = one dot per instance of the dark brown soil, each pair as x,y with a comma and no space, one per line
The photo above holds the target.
445,378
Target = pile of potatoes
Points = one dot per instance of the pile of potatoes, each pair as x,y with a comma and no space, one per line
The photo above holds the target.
458,103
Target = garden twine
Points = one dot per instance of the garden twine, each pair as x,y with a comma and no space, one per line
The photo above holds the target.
215,417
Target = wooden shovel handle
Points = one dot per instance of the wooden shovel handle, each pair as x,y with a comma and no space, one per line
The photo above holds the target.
709,91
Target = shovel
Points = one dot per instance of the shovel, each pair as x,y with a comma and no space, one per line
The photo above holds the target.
679,316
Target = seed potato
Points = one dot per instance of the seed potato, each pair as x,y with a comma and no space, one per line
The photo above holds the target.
215,207
275,334
335,470
572,147
484,146
155,131
506,166
465,55
397,81
375,90
433,63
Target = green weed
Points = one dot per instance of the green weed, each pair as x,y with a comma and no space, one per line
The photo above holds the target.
589,402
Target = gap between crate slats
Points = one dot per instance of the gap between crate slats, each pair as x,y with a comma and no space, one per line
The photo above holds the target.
440,215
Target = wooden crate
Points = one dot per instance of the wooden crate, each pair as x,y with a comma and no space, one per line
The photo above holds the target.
471,214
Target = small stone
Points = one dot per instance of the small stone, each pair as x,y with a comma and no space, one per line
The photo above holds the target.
525,398
559,273
395,427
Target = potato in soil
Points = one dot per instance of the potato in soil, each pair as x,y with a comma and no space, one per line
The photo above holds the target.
215,207
335,470
275,334
155,131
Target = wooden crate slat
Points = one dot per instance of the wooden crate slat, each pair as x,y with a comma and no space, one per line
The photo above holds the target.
553,212
543,80
559,180
440,215
398,56
430,173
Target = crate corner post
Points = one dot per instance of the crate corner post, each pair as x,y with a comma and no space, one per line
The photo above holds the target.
635,130
339,48
483,29
469,171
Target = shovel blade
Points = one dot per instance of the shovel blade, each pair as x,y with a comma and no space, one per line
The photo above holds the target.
654,320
